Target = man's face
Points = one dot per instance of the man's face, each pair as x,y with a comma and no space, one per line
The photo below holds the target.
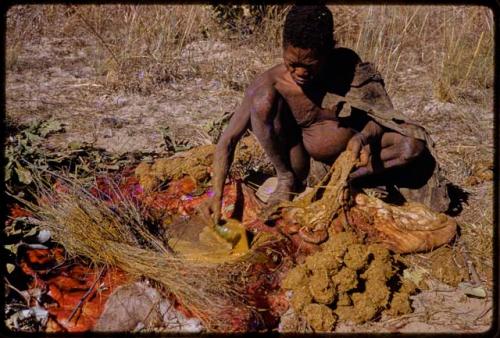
303,64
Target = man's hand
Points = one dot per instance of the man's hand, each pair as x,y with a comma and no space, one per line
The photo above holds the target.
359,146
211,209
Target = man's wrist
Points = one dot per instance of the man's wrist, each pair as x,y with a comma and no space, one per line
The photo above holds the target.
327,114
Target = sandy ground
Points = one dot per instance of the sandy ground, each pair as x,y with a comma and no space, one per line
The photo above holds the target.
54,79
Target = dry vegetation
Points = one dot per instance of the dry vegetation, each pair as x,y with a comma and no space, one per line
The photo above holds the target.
177,65
119,236
142,47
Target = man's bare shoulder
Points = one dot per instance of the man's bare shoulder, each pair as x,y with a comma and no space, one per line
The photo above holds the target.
260,95
268,78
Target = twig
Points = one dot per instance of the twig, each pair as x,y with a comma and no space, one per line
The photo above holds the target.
26,298
85,296
99,37
470,265
482,314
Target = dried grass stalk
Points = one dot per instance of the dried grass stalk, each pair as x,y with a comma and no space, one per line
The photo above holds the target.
117,236
326,200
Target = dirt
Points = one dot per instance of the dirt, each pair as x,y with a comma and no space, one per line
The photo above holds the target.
53,78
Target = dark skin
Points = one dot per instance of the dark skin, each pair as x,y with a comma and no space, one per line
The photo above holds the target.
283,109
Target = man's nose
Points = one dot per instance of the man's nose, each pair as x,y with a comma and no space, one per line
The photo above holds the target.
301,72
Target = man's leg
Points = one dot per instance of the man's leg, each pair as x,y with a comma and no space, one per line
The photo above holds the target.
291,164
395,150
406,172
300,163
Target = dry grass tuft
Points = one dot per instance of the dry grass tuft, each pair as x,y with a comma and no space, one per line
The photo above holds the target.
116,235
142,47
456,41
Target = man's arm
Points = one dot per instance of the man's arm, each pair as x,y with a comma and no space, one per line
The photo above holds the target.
263,117
257,102
224,153
306,111
360,143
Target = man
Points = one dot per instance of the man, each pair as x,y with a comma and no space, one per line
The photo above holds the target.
283,108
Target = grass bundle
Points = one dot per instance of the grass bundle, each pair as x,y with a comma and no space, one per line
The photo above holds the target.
116,235
316,210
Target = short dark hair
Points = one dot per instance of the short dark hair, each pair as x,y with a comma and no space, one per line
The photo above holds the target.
309,27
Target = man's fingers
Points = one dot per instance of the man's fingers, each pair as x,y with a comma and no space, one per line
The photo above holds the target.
389,153
362,171
345,196
364,156
353,145
355,148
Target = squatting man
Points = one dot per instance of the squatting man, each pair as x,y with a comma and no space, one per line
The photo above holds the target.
283,108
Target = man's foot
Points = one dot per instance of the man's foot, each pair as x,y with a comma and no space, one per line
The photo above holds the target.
282,193
266,189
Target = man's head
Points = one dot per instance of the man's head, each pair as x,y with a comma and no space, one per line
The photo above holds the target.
307,39
309,27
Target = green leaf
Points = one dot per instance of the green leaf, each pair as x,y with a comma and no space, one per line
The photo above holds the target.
198,191
12,248
415,275
84,167
50,127
33,138
473,291
479,292
33,231
23,174
109,166
75,145
23,143
12,231
8,174
229,208
10,267
57,160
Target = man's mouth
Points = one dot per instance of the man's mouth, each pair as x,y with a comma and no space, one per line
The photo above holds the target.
300,80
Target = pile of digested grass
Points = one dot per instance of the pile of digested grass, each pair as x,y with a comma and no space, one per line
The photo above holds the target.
196,163
116,235
347,281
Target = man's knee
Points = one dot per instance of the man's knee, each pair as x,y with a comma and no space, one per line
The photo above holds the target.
411,148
